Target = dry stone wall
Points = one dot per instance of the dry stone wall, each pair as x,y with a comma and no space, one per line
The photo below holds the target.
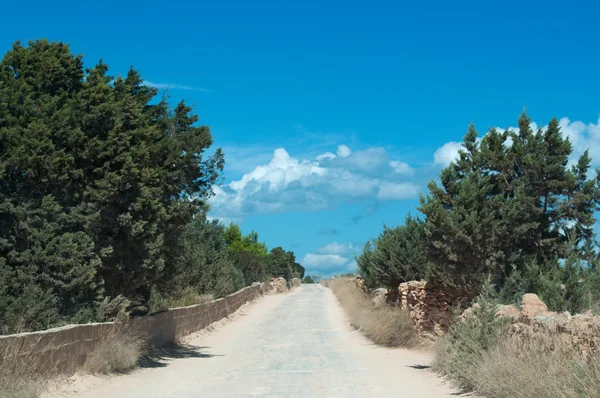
64,350
533,321
431,308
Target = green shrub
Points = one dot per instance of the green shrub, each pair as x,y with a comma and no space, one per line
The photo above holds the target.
397,255
461,352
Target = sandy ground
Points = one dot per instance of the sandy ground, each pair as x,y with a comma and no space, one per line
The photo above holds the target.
292,345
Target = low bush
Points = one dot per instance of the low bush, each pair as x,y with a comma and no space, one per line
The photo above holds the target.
461,353
478,354
119,351
385,325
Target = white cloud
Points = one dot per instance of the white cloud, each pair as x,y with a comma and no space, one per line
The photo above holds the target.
337,248
343,151
332,258
397,191
401,167
286,183
324,262
170,86
326,156
447,153
583,136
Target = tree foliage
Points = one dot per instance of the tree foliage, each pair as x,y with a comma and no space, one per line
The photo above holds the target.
396,256
96,181
103,197
509,200
282,263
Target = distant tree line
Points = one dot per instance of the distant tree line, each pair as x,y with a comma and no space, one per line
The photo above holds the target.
103,197
511,211
311,279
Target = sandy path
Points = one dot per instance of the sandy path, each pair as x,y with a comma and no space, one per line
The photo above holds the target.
293,345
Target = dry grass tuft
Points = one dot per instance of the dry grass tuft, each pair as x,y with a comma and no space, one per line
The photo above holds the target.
536,368
17,376
479,355
384,325
119,351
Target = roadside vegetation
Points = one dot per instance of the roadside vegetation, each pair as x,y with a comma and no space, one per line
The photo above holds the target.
385,325
478,354
311,279
104,198
513,214
17,378
119,351
103,208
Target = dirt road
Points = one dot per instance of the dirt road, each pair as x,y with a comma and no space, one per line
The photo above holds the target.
293,345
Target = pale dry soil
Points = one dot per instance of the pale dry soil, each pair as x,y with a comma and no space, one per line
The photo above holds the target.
298,344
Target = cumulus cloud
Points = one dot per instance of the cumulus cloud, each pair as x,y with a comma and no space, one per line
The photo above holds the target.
323,262
332,258
343,151
286,183
394,190
583,136
337,248
447,153
401,167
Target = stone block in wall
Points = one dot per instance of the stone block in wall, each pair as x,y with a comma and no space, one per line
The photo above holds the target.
430,307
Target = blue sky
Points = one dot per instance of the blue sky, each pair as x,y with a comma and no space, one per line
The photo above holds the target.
334,115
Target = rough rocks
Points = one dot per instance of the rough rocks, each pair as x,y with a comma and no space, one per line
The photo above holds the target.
431,308
532,306
579,331
509,311
360,282
277,285
533,322
379,297
294,283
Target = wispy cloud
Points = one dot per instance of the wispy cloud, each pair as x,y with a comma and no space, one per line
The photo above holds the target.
170,86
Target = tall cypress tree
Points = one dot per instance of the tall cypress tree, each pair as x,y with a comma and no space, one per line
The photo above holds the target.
505,203
96,180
